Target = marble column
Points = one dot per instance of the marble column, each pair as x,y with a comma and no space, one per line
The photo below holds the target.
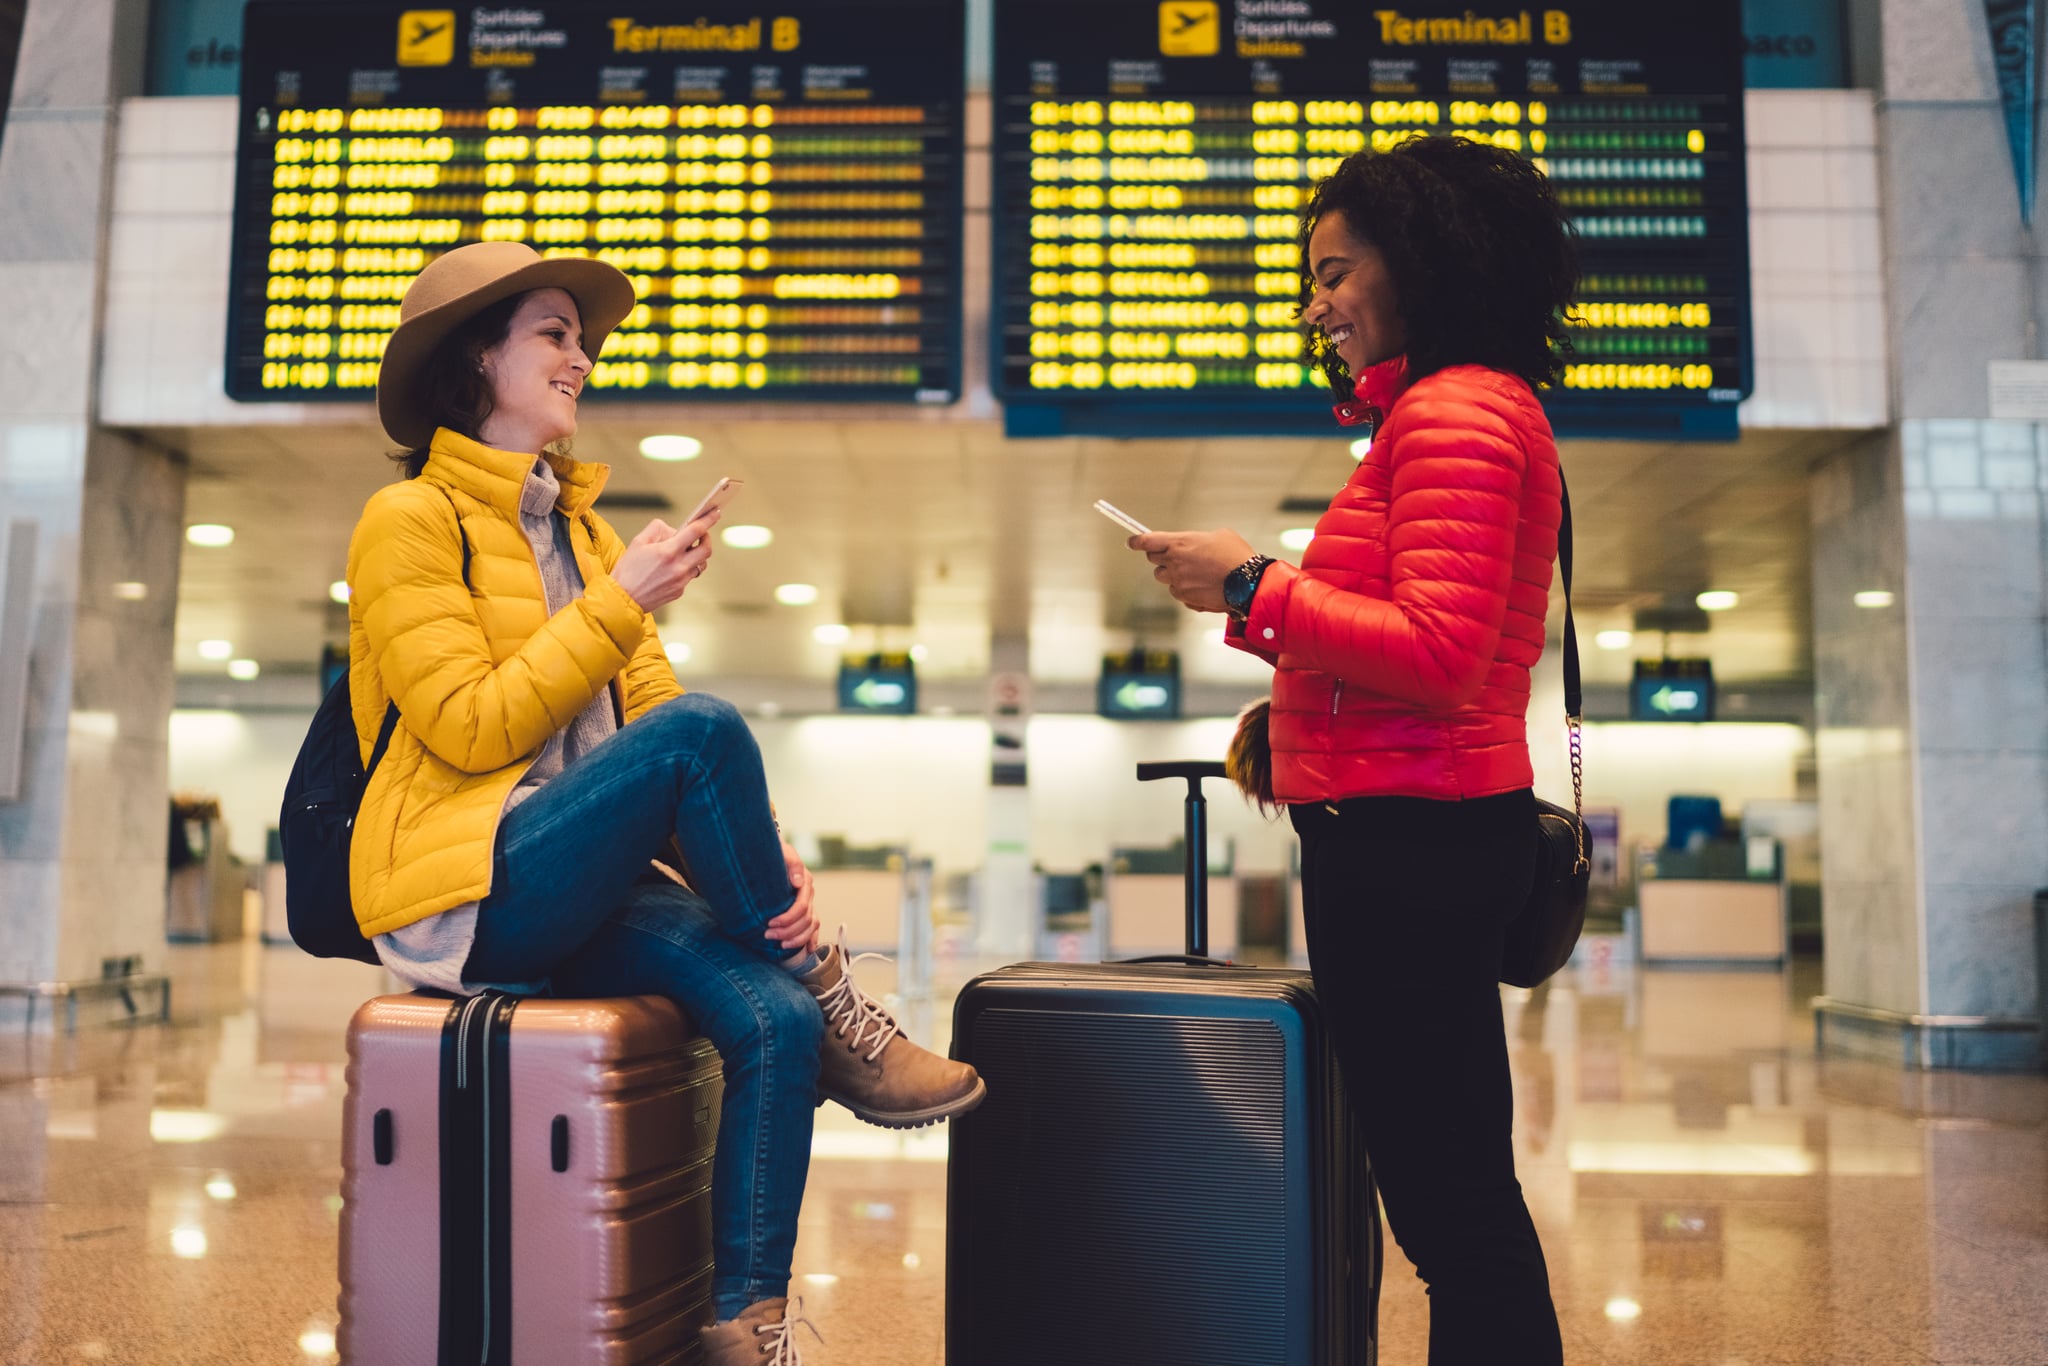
1008,911
82,849
1933,705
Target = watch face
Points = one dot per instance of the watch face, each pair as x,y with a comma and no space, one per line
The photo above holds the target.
1237,592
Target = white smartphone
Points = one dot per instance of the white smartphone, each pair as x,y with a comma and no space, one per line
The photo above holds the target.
722,492
1121,518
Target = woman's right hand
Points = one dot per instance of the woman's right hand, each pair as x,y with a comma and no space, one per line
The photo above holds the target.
662,560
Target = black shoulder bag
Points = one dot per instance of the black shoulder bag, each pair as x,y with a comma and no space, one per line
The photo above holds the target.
1540,940
318,820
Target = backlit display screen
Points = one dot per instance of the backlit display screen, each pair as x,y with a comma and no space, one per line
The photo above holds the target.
1152,161
781,181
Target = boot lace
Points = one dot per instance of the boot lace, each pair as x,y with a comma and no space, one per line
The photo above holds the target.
849,1010
781,1348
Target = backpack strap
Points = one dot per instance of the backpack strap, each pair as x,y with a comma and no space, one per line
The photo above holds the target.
460,535
390,725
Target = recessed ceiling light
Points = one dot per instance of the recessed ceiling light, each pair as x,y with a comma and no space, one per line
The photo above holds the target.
1297,537
1875,597
796,594
671,447
131,591
920,653
242,670
216,649
831,633
1615,640
1717,600
678,651
338,590
1361,448
746,537
210,534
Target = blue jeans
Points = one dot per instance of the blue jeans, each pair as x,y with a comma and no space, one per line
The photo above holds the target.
568,903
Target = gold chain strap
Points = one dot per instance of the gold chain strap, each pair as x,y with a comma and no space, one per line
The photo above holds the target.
1579,790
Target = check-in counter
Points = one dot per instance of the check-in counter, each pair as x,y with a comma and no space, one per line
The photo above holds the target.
884,899
1145,892
1148,914
277,927
1297,924
203,898
1072,917
1695,912
868,901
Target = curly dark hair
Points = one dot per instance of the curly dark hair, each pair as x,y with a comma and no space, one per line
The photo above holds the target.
1482,257
452,381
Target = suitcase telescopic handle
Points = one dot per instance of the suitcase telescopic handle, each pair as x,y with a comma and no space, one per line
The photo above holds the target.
1197,891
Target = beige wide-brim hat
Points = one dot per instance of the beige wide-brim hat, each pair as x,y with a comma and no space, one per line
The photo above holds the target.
463,283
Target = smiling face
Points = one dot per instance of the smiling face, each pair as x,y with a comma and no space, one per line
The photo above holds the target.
1354,304
535,374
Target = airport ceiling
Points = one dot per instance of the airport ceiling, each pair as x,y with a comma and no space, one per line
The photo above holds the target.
932,530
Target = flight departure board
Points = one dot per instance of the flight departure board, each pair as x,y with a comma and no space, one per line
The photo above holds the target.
782,182
1152,161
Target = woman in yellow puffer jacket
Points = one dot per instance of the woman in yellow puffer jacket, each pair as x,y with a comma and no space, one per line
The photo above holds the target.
543,757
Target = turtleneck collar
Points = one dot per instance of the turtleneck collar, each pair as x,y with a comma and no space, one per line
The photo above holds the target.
498,478
542,491
1375,392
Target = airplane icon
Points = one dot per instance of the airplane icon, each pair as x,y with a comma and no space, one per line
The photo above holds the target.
1189,28
426,37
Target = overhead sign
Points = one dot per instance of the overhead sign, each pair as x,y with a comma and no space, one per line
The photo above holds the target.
1672,690
881,684
1143,685
1793,44
782,184
1152,161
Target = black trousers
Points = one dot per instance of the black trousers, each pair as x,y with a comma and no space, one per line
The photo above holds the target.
1405,902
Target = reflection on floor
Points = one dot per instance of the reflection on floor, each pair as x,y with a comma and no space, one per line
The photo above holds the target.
1708,1190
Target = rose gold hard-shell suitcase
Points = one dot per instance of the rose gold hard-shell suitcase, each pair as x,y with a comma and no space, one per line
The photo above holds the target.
526,1180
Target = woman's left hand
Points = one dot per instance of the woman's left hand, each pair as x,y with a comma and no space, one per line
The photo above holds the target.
796,929
1194,564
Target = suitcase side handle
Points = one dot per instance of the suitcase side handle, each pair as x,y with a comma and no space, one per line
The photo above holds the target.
1197,842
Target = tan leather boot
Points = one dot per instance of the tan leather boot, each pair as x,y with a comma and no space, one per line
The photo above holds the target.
867,1065
763,1335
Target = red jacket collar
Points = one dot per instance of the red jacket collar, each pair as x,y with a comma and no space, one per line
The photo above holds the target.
1376,391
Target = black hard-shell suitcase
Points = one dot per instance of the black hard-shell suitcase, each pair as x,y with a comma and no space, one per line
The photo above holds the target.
1166,1169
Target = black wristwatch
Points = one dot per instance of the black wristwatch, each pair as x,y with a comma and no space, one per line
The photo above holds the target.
1241,584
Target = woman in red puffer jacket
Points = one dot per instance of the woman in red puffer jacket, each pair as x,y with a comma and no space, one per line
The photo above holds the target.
1436,279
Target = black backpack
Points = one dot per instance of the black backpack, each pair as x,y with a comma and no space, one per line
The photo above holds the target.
321,799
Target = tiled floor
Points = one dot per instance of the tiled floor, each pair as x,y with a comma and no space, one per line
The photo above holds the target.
1708,1190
